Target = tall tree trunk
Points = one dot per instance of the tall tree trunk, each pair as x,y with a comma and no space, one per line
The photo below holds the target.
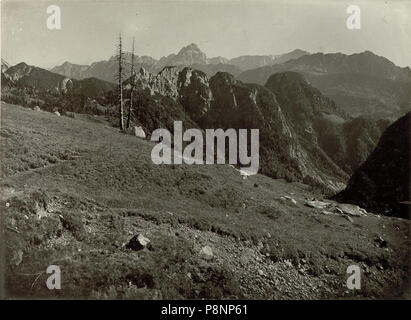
130,109
120,83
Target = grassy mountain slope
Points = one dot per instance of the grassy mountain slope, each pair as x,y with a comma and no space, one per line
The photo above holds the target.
74,192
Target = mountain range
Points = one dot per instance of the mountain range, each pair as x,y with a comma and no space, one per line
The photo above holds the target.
361,83
306,133
189,56
25,76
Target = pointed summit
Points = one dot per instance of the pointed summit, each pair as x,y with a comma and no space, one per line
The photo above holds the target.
190,47
191,54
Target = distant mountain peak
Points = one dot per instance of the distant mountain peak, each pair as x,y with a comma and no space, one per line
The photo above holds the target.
191,46
191,49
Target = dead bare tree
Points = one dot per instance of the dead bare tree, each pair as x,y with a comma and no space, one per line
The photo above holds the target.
132,79
120,82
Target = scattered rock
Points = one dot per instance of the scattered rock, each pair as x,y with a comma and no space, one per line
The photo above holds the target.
328,213
381,242
139,132
261,272
288,263
350,209
349,219
363,210
338,210
317,204
69,114
138,242
36,108
206,252
290,199
57,113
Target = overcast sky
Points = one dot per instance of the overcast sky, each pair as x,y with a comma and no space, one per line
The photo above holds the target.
220,28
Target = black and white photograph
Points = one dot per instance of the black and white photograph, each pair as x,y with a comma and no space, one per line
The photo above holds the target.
204,150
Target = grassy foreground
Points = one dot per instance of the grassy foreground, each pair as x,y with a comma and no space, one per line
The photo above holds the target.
75,191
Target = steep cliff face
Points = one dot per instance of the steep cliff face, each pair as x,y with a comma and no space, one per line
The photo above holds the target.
163,83
303,104
291,115
319,122
383,181
282,152
194,94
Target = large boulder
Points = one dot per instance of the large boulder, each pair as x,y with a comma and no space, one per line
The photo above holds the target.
138,242
139,132
207,253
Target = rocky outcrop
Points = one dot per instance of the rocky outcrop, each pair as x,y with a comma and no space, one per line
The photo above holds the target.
321,123
194,93
295,120
164,83
282,155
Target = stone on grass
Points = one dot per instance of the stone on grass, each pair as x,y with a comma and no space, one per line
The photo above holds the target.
138,242
69,114
139,132
291,199
206,252
57,113
350,209
349,219
36,108
317,204
381,242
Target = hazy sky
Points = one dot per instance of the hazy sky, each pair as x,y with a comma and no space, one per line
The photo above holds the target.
220,28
